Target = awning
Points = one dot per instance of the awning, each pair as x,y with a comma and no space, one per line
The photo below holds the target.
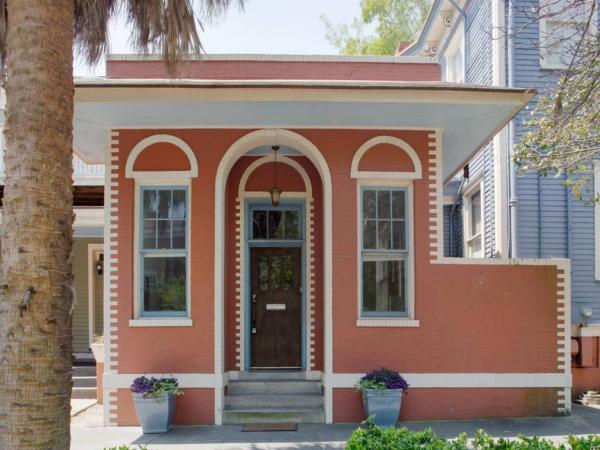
468,116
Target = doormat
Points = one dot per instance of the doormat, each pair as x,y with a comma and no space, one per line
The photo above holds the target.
270,427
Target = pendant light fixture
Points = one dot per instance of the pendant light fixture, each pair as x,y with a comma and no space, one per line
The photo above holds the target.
275,191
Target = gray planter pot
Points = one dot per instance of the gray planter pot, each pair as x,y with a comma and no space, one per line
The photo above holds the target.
384,406
154,414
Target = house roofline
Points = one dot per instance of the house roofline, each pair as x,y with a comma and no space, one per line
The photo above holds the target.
400,59
87,82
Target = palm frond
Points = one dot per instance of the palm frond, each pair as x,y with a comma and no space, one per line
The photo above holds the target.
91,27
168,27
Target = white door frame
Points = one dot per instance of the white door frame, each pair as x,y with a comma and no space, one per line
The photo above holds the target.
93,251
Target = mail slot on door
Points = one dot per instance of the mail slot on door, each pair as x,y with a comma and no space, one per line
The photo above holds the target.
275,306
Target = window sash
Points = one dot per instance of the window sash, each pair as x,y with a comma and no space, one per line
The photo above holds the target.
368,254
386,257
144,253
377,219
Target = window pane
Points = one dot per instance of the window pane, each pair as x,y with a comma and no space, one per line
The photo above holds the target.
259,224
150,204
275,272
164,284
398,205
263,273
149,234
288,273
292,225
399,235
178,207
383,235
369,234
164,204
383,287
369,209
383,204
178,233
476,213
276,225
164,234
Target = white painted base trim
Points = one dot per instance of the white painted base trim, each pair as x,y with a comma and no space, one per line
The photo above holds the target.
169,322
465,380
387,322
186,380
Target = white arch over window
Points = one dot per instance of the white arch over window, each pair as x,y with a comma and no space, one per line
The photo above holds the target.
386,175
238,149
156,139
281,159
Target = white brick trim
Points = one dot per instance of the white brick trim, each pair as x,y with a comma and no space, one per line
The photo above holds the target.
111,233
240,147
155,139
397,142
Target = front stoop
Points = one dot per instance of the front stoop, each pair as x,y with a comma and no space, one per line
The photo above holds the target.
274,397
84,382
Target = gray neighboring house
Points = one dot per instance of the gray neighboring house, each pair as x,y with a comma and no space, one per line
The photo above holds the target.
490,210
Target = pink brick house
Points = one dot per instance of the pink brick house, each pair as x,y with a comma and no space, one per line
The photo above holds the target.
209,280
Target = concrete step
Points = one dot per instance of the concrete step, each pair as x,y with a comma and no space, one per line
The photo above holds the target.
275,387
84,371
272,375
273,415
84,382
261,401
84,392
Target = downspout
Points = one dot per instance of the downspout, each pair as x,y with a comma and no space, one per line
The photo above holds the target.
451,215
569,222
513,198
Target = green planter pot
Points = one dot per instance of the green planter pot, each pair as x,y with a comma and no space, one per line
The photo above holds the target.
155,414
383,406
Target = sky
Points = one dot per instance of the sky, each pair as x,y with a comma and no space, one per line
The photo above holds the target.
264,26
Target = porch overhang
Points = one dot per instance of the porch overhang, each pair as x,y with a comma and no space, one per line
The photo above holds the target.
468,116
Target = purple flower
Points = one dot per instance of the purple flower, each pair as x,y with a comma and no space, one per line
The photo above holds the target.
142,385
391,378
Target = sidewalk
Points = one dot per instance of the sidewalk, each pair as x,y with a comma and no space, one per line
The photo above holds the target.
88,434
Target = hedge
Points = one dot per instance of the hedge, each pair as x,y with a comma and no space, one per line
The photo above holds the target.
375,438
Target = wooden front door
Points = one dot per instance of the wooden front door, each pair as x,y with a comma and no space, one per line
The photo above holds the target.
276,307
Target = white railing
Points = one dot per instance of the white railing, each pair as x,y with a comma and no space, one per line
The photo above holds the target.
82,173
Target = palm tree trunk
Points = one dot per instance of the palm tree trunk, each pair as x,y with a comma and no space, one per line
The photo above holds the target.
35,288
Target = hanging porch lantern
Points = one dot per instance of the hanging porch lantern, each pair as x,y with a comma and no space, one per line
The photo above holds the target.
275,191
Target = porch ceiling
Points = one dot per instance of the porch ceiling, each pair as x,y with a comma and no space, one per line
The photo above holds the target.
469,116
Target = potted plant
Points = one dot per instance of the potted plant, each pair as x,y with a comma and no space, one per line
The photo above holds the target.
97,347
382,396
154,400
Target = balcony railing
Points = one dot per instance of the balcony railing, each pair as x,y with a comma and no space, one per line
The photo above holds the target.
83,174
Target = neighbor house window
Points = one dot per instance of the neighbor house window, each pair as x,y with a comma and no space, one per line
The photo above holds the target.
562,25
473,222
163,251
384,252
454,57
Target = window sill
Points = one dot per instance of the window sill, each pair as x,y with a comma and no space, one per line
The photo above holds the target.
167,322
387,322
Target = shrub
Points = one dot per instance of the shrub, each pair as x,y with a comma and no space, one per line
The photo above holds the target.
127,447
375,438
